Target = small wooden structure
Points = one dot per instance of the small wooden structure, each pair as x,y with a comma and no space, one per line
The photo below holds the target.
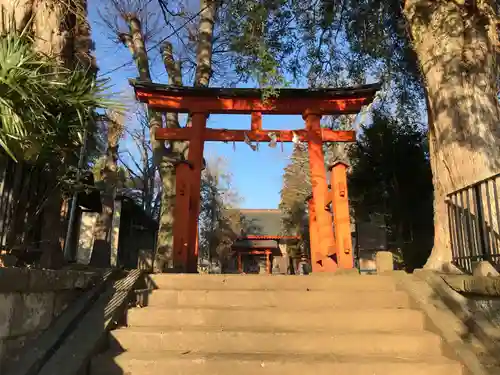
259,240
132,231
200,102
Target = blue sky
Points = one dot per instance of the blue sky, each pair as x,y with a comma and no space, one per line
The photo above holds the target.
257,175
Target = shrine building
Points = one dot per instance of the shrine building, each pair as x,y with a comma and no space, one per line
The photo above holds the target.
260,247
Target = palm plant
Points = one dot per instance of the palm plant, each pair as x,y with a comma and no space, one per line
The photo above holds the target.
44,108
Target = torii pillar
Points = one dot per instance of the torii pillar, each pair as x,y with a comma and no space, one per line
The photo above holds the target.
313,237
324,245
341,215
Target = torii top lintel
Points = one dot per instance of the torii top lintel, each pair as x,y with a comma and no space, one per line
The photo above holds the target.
331,101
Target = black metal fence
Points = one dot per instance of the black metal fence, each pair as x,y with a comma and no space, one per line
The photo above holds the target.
474,217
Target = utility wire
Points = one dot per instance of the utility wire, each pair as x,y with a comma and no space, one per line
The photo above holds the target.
158,43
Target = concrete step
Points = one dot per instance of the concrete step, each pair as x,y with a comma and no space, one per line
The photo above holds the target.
339,320
159,363
218,341
347,283
287,299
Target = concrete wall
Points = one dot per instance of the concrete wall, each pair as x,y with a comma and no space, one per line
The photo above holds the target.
30,299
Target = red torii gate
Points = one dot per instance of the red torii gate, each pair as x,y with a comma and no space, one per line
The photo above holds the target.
310,103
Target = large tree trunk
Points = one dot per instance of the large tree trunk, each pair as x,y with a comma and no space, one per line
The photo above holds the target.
60,29
53,27
15,14
205,42
134,40
165,241
57,26
202,78
83,44
455,46
164,244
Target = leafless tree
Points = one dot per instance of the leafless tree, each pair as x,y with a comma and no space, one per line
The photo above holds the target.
135,24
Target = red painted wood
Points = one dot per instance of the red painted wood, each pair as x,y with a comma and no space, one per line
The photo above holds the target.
195,157
181,228
256,123
230,135
316,255
325,245
341,215
295,106
202,103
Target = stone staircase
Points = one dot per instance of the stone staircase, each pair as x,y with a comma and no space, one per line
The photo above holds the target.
248,325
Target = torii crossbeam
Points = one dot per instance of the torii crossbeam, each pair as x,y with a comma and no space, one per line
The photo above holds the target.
200,102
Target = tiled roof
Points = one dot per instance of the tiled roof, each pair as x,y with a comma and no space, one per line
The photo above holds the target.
259,222
256,244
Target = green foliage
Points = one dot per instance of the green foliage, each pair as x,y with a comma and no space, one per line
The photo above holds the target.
216,223
44,108
391,176
256,34
296,188
337,43
326,43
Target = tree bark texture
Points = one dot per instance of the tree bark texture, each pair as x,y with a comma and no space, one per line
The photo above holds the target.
15,14
205,42
60,28
134,41
136,44
165,240
455,45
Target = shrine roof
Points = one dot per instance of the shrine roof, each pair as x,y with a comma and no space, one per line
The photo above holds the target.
284,93
246,244
259,223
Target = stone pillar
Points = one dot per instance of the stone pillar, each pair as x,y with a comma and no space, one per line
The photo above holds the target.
86,237
115,233
385,261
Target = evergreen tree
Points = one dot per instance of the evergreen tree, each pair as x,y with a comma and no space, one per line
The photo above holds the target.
435,54
391,176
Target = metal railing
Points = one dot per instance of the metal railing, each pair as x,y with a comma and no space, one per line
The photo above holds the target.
474,217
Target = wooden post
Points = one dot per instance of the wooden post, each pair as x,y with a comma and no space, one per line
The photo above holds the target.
341,215
256,123
240,264
181,209
325,245
196,248
313,238
268,262
195,157
384,261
